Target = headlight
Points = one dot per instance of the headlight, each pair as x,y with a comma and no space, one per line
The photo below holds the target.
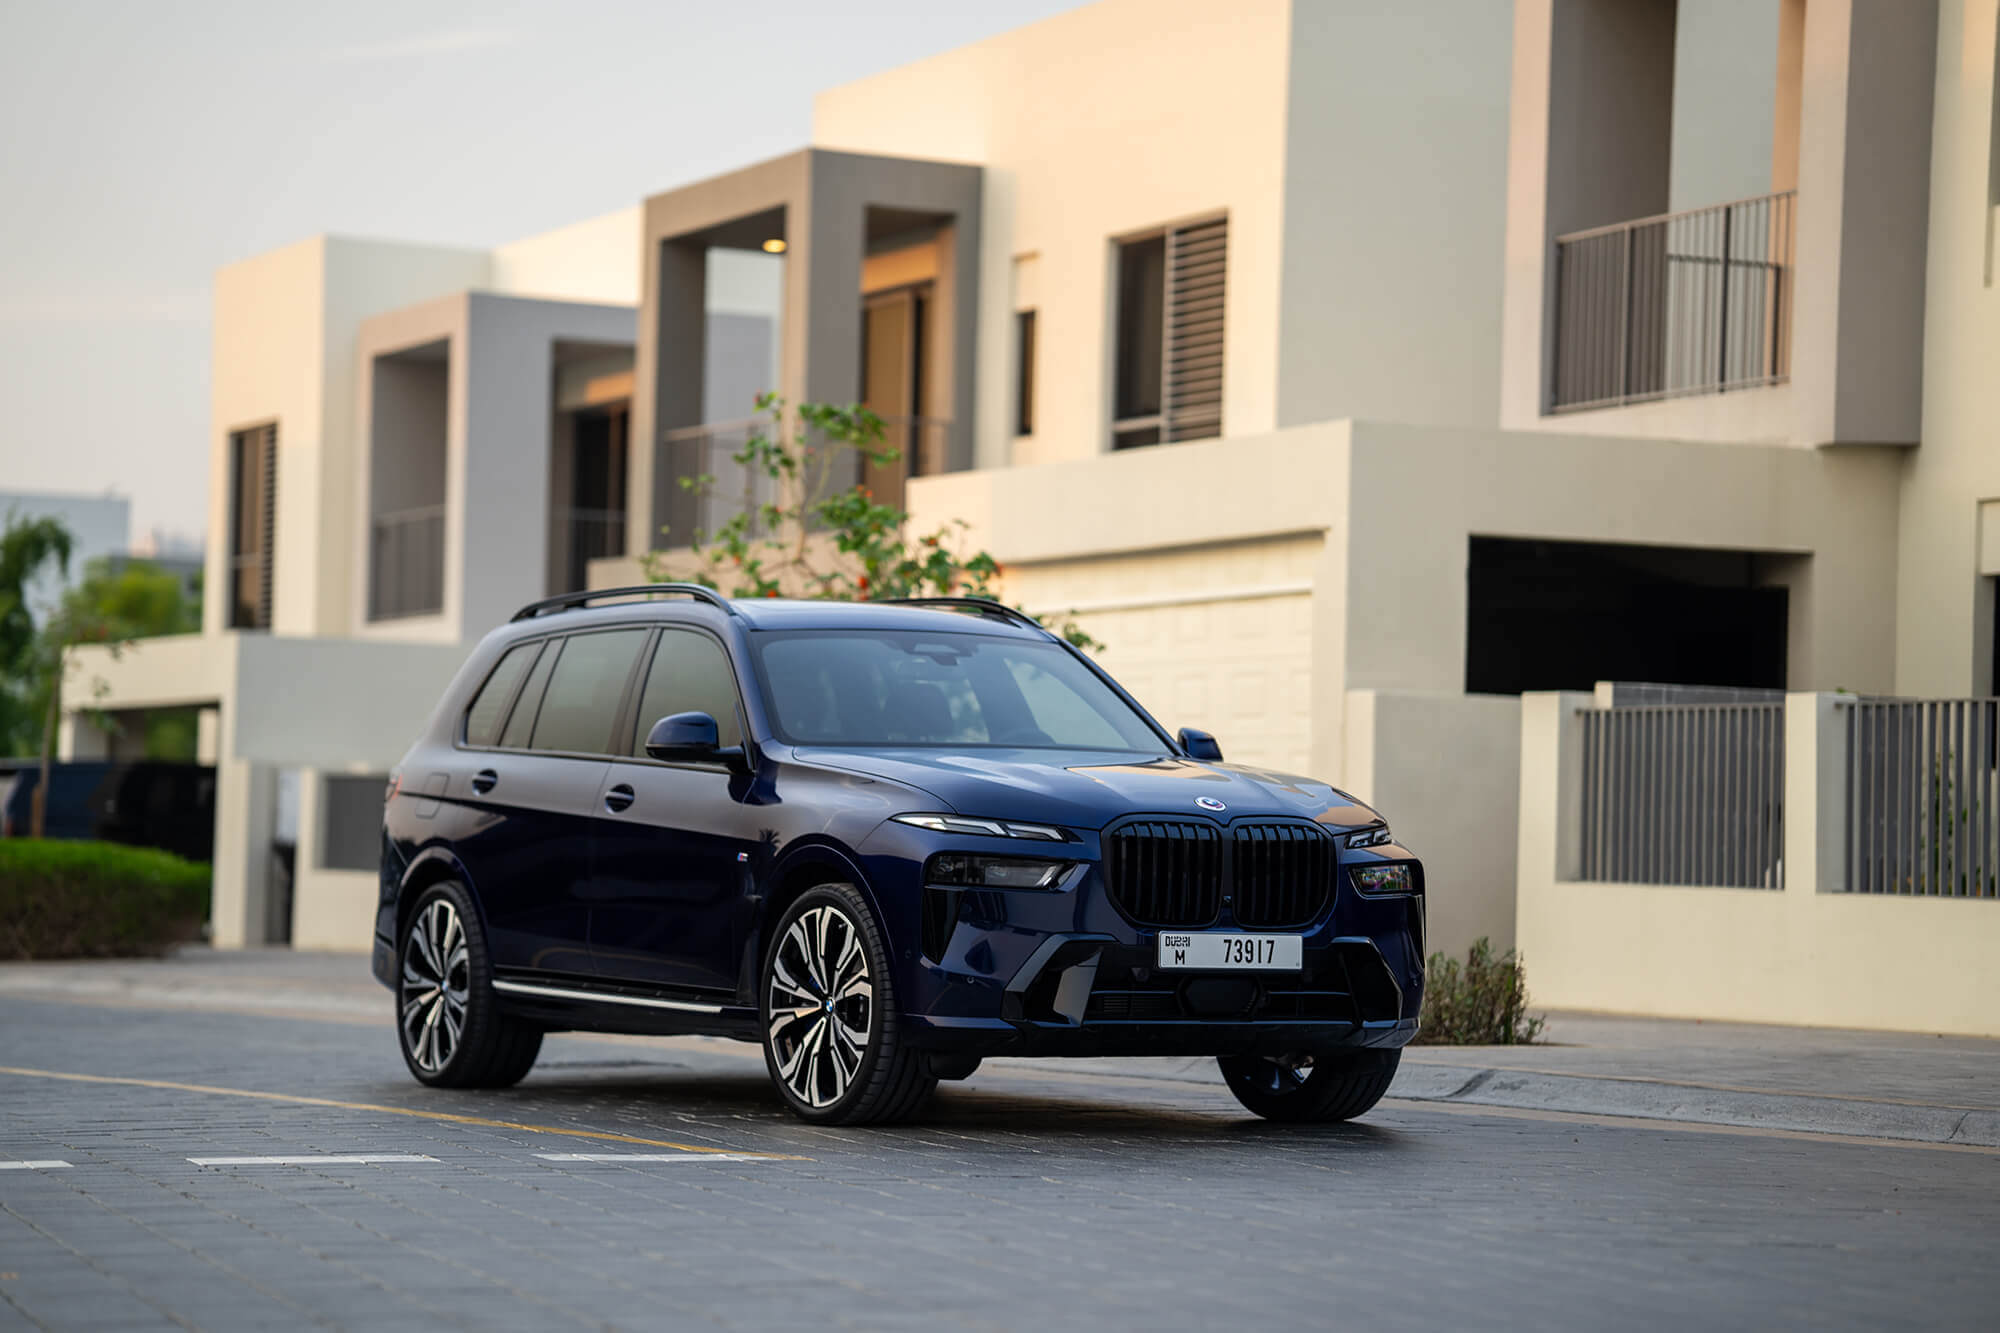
990,828
959,871
1373,837
1384,879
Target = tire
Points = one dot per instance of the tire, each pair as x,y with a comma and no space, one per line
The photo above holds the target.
448,1023
833,1039
1337,1086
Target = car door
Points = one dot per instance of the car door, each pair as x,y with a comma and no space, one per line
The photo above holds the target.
676,847
528,849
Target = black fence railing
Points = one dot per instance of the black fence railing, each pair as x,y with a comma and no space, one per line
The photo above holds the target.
1683,303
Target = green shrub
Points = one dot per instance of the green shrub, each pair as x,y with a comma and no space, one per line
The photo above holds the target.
1483,1003
61,899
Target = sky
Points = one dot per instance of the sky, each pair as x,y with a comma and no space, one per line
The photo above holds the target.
145,143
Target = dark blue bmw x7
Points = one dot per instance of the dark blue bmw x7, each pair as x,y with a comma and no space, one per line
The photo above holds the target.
884,840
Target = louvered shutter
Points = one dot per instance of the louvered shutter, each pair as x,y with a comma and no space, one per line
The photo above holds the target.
1197,261
267,535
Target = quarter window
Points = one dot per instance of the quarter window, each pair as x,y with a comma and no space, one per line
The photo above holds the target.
581,702
489,708
689,674
522,720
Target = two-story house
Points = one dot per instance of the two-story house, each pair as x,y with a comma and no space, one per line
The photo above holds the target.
1350,369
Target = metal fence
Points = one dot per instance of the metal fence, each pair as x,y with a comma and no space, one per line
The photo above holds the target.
406,563
1921,797
584,535
1683,303
1685,794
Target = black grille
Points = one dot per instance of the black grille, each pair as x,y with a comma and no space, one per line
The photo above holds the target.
1176,873
1165,872
1280,874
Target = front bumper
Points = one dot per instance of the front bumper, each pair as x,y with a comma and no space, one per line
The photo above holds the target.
1065,973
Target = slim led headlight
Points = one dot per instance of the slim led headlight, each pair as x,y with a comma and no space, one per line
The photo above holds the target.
990,828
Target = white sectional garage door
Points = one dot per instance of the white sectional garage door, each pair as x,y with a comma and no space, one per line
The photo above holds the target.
1219,639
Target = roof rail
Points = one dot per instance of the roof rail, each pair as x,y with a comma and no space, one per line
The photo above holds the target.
983,606
569,601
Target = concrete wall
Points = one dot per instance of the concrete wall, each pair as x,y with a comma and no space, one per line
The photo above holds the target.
1444,768
1079,148
1725,101
1395,198
1805,954
1944,629
593,260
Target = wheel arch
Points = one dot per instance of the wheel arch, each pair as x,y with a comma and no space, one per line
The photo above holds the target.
432,865
799,869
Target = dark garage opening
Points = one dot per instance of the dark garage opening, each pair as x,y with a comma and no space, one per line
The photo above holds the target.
1565,615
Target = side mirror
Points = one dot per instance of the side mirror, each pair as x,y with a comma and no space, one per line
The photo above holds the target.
690,738
1199,744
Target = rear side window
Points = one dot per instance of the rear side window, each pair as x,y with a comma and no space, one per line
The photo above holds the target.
522,720
489,707
581,702
689,674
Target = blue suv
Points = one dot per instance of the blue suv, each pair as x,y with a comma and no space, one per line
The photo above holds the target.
885,840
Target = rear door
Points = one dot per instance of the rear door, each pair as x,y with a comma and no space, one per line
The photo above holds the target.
527,850
676,845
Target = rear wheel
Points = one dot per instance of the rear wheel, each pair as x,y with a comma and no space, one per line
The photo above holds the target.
1307,1088
448,1022
832,1036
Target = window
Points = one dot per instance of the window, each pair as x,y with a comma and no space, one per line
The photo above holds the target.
952,690
253,494
1024,372
1168,376
351,823
582,699
690,674
521,722
489,706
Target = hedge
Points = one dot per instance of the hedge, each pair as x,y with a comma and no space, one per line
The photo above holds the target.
63,899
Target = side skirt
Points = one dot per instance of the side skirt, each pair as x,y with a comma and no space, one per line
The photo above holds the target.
575,1007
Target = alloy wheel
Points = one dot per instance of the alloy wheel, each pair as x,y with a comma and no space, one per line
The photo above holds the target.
1280,1074
821,1006
436,987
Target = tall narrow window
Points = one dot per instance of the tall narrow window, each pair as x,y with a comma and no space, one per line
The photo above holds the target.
1024,372
253,483
1168,377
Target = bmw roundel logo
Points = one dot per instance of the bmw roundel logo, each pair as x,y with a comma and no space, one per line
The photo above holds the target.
1209,803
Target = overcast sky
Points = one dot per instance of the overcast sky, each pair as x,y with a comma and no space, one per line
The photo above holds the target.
146,142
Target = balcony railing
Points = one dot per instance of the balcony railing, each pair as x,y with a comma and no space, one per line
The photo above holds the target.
406,563
584,535
711,451
1683,303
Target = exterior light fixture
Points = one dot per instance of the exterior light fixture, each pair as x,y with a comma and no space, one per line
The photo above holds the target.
774,246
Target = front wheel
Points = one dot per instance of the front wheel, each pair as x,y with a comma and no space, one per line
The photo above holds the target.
832,1037
1302,1089
448,1023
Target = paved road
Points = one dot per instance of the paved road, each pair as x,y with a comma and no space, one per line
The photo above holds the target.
1029,1198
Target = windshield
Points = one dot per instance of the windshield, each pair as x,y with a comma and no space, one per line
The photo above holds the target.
883,687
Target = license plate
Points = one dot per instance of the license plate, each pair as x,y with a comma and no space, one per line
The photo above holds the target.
1226,951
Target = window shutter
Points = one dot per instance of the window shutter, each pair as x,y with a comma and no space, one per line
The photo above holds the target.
1197,259
266,538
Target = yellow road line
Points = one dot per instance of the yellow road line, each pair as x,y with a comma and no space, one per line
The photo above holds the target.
446,1116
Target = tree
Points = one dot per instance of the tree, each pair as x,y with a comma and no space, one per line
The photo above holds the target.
115,603
826,536
27,547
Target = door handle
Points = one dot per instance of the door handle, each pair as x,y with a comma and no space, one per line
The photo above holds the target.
618,798
485,780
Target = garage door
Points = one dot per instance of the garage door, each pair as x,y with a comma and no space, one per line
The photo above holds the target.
1219,638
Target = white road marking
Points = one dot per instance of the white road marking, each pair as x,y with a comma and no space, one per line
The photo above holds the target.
31,1166
347,1159
644,1157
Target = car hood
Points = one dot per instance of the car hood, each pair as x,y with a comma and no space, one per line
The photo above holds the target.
1086,789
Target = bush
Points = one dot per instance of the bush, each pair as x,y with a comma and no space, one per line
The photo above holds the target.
1483,1003
61,899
